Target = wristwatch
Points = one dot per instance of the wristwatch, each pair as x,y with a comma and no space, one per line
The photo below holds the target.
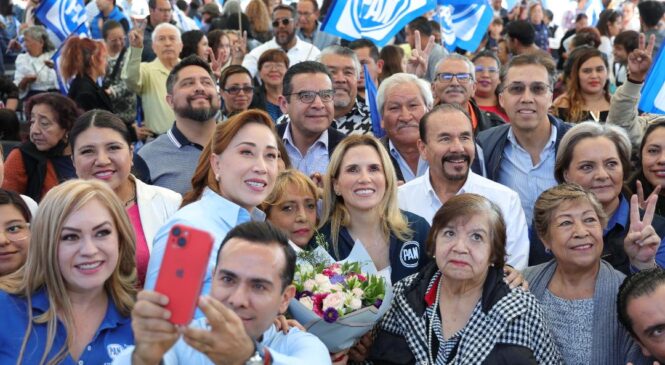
261,356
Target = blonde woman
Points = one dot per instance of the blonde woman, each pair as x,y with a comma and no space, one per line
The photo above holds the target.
71,301
360,203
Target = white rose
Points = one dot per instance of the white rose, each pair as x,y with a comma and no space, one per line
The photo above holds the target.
322,282
309,285
306,268
334,300
355,303
357,292
307,302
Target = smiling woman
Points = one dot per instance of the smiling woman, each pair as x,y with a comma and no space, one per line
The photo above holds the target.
72,299
360,205
236,172
101,150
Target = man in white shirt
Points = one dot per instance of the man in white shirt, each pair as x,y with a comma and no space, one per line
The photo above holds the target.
284,31
252,284
447,143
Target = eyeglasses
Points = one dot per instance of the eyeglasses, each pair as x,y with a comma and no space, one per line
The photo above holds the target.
235,90
491,69
164,10
285,22
462,77
536,88
274,66
308,96
17,232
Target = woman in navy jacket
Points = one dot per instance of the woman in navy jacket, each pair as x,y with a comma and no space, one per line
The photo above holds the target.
360,205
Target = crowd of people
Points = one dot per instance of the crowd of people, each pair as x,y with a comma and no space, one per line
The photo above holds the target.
515,201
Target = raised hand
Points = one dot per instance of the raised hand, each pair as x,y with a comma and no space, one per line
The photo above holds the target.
640,194
640,59
417,63
226,343
239,49
642,241
153,333
215,62
136,34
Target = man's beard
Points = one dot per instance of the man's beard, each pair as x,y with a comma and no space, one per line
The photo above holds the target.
289,38
197,114
456,176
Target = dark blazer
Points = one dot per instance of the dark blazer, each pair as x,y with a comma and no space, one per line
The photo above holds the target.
334,136
88,95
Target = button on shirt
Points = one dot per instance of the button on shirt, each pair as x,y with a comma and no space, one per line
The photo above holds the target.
407,174
315,159
418,197
301,51
294,348
212,213
113,335
518,172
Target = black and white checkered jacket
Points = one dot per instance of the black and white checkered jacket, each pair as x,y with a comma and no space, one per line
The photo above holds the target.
510,328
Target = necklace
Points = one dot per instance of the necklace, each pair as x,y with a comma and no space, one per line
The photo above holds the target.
133,198
429,332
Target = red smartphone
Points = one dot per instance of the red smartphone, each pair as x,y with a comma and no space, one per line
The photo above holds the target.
183,270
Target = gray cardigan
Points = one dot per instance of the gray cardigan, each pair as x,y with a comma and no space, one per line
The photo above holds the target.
612,344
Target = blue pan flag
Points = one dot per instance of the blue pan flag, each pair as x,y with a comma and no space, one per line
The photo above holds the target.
376,20
463,22
653,91
62,17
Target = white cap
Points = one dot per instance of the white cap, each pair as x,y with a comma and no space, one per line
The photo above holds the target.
139,9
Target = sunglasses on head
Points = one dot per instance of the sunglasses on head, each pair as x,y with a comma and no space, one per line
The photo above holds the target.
285,22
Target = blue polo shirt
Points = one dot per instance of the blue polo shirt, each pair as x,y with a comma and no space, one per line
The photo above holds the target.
113,335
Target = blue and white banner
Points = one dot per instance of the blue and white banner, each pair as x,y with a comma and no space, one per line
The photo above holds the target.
463,22
62,17
653,91
376,20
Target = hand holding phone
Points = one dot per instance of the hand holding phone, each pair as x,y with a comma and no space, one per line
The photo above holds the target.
183,269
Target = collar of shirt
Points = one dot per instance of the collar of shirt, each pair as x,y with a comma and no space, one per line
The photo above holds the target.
228,211
302,35
288,139
179,139
549,146
112,318
423,165
620,216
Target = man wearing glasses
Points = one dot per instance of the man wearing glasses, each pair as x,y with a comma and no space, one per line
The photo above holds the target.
521,154
455,83
309,26
284,32
307,102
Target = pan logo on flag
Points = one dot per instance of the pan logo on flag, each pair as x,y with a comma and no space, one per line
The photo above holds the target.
376,15
409,255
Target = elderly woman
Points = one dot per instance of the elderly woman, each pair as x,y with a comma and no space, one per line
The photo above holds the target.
34,69
44,161
458,309
597,157
272,65
71,301
577,289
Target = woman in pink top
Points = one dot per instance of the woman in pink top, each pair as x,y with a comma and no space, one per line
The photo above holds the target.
101,149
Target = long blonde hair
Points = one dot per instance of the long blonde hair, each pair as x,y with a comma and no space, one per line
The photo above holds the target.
334,210
42,269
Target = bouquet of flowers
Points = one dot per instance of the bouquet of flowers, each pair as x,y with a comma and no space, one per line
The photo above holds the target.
339,301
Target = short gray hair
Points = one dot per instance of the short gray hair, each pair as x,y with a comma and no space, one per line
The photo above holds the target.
341,51
162,26
458,57
402,78
38,33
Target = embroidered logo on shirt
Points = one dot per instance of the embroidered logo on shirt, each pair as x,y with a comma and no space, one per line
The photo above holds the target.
114,350
409,254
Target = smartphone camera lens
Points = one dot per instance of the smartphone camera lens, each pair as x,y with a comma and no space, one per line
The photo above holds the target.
182,241
176,231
